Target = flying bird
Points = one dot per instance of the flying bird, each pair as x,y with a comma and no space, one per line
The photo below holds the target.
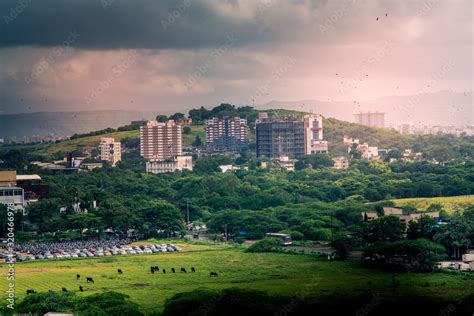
386,14
377,18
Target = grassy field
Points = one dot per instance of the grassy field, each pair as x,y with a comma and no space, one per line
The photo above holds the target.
450,204
273,272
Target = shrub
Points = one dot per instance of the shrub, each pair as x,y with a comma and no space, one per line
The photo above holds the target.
265,245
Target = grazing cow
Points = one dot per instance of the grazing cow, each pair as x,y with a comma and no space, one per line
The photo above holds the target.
173,270
30,292
90,280
183,270
156,268
119,271
81,288
78,276
192,269
213,274
164,270
64,289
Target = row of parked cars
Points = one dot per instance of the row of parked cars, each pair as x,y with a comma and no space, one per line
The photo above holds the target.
98,252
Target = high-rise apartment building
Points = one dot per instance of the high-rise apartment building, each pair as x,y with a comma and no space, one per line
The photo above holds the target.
278,138
110,150
160,141
373,119
227,134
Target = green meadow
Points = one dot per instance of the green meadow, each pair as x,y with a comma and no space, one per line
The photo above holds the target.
276,273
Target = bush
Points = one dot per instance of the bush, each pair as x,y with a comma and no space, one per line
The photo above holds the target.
265,245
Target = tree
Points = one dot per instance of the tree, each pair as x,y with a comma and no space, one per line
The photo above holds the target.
419,254
342,245
424,227
455,236
314,161
386,228
265,245
161,118
44,302
177,116
197,141
108,303
186,130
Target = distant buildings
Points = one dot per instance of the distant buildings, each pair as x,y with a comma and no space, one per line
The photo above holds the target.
290,138
110,150
30,184
404,217
373,119
170,165
227,134
160,141
341,163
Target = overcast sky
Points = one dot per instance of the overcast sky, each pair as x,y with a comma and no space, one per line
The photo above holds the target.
65,55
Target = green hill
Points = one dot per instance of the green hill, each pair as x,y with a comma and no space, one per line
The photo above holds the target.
440,147
449,204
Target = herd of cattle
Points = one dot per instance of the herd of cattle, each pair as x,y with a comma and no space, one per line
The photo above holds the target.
83,249
153,269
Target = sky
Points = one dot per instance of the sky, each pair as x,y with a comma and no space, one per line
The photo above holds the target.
73,55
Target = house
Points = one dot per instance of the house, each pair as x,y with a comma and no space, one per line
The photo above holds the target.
341,162
369,216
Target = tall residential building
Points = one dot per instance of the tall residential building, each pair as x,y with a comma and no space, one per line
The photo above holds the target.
227,134
280,138
160,141
110,150
373,119
290,138
314,142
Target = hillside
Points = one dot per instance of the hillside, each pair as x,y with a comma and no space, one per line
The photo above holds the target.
449,204
89,143
440,147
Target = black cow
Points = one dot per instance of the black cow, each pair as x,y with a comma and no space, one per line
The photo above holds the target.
183,270
152,270
30,292
89,280
64,289
173,270
213,274
81,288
119,271
192,269
78,276
164,270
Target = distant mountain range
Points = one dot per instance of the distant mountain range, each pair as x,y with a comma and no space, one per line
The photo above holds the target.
440,108
65,124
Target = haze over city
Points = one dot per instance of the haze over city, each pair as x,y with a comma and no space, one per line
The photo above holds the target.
172,56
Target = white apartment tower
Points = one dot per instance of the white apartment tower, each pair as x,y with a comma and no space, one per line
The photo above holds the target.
110,150
313,132
160,141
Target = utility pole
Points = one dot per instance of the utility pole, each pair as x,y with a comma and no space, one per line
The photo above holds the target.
187,210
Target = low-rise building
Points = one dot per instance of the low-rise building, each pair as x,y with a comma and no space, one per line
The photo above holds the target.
341,162
284,162
170,165
110,150
13,197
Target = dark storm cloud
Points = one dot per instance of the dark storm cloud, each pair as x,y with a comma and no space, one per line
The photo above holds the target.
113,24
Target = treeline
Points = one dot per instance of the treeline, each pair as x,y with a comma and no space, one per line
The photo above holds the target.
313,202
